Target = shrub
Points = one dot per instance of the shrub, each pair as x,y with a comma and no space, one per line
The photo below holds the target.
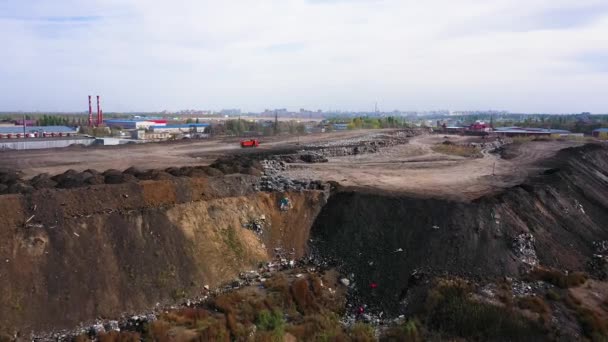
536,305
452,312
115,336
411,331
271,321
323,326
593,325
303,297
553,295
558,278
362,332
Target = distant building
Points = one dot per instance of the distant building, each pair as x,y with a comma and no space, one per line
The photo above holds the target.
36,132
480,126
600,133
19,122
230,112
180,128
526,131
134,124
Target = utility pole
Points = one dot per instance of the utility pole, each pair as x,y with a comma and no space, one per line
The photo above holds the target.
24,126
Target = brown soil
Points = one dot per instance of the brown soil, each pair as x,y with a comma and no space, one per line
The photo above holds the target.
416,169
148,156
98,251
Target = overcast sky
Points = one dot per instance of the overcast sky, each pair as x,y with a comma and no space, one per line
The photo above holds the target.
147,55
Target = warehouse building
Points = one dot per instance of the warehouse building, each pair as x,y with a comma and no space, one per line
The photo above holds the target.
134,124
525,132
36,132
180,128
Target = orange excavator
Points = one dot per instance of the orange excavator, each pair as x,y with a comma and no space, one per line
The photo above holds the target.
250,143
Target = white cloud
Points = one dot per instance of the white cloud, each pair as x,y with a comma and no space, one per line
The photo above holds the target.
521,55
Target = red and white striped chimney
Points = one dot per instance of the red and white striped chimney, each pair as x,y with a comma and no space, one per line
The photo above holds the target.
90,112
99,122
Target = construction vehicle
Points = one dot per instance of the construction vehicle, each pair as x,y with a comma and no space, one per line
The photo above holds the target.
250,143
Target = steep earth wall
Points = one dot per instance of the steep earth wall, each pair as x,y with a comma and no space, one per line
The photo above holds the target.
555,219
74,255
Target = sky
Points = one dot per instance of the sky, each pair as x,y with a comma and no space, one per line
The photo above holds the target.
547,56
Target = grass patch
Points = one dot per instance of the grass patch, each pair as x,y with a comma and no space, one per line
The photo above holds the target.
232,241
411,331
450,311
458,150
593,325
362,332
271,322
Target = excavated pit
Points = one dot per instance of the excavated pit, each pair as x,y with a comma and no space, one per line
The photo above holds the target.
73,255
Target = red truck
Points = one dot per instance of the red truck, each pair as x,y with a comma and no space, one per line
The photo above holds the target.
250,143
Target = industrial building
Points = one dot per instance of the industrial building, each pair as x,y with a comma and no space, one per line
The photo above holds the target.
36,132
135,124
180,128
523,131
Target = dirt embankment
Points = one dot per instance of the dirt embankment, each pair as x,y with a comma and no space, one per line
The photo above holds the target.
72,255
555,219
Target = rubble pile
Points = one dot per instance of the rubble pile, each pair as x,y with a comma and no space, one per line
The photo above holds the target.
313,157
523,247
273,180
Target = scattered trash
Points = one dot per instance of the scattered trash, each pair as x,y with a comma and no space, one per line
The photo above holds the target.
112,326
579,206
97,330
373,285
76,234
345,281
435,227
284,204
29,219
398,250
255,225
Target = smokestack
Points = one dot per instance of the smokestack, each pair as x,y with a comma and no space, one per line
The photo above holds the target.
98,112
90,112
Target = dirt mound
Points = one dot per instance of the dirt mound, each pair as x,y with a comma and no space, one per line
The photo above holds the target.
562,216
238,164
11,181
